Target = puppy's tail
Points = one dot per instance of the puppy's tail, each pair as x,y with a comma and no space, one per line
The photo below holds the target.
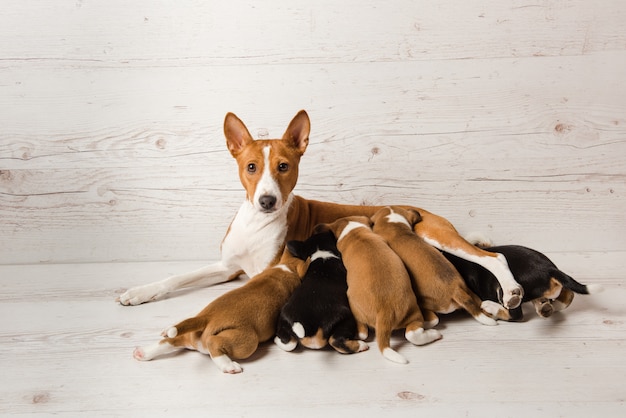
383,338
569,283
186,326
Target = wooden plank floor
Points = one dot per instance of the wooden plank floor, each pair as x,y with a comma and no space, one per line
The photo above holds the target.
66,349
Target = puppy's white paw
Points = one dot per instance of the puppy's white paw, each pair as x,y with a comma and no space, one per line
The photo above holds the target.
485,320
139,354
491,307
226,365
432,323
363,346
298,329
290,346
421,336
141,294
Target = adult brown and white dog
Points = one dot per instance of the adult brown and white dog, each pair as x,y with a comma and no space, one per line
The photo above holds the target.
272,214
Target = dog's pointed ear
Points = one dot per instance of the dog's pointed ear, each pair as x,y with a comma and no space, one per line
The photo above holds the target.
321,228
298,131
236,133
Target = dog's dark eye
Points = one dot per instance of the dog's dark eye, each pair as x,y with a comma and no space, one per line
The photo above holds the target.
282,167
251,168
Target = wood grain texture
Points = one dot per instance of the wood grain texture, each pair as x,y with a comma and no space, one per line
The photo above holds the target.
66,349
508,119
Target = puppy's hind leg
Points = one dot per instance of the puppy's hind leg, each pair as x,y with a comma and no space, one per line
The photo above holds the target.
160,348
415,332
284,337
468,300
564,299
431,320
233,343
343,339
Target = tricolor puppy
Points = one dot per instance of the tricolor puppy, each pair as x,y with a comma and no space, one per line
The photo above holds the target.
547,287
379,287
233,325
318,312
438,286
271,215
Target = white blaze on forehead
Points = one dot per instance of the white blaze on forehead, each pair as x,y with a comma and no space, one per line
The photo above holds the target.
323,254
397,218
267,184
352,225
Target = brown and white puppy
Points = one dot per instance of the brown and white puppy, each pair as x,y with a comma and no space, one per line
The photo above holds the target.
379,287
233,325
438,286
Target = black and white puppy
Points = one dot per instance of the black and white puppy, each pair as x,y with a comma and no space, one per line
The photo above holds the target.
547,287
318,312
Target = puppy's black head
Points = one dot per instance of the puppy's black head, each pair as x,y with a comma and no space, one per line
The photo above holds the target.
324,241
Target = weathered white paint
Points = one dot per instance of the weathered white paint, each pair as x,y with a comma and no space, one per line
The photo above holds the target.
506,117
67,349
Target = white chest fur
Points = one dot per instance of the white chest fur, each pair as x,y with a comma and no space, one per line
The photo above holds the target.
254,238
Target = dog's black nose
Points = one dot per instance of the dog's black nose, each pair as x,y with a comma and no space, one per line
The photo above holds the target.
267,201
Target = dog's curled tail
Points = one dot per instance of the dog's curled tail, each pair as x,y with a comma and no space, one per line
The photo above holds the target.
186,326
571,284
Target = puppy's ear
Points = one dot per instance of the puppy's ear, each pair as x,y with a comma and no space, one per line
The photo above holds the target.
321,228
297,249
236,133
297,133
414,217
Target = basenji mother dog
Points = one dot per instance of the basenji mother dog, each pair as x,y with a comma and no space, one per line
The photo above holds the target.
272,214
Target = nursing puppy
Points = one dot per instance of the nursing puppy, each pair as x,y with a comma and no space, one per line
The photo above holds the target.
318,312
547,287
233,325
379,287
439,288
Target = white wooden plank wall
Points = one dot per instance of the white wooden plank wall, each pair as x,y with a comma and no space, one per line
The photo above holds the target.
505,117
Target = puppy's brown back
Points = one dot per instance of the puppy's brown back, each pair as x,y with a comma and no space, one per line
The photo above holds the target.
254,306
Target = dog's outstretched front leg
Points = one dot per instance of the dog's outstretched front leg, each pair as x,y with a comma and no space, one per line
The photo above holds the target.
202,277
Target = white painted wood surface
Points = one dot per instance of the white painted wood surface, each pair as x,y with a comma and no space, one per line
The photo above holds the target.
505,117
66,349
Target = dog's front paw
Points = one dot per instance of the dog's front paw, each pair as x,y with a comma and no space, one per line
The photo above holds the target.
141,294
512,298
226,365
